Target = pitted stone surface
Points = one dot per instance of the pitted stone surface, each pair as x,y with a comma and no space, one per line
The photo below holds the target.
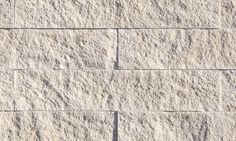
124,90
168,13
164,126
227,50
6,13
64,90
7,90
6,50
168,49
168,90
65,49
65,13
93,126
228,12
183,126
117,13
228,81
224,126
177,49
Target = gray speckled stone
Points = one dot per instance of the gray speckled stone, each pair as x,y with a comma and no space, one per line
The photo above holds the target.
65,49
57,126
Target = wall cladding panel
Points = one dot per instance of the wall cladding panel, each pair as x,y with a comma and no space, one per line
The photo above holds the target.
114,70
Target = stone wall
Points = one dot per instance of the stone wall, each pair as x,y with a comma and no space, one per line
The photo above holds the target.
109,70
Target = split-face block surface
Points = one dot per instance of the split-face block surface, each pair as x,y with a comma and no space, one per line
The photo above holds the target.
158,70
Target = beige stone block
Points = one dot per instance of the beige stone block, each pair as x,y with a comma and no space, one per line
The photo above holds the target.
6,50
168,13
65,49
161,126
175,90
117,13
177,49
65,14
228,91
57,126
228,12
7,95
65,90
6,13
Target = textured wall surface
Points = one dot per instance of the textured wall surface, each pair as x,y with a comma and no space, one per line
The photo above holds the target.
118,70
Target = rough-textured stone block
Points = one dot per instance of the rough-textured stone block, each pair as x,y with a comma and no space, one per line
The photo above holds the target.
177,49
6,13
167,49
94,89
65,13
117,13
6,50
228,13
165,126
34,89
224,127
125,90
56,126
228,85
227,50
167,90
161,126
168,13
7,90
64,90
65,49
